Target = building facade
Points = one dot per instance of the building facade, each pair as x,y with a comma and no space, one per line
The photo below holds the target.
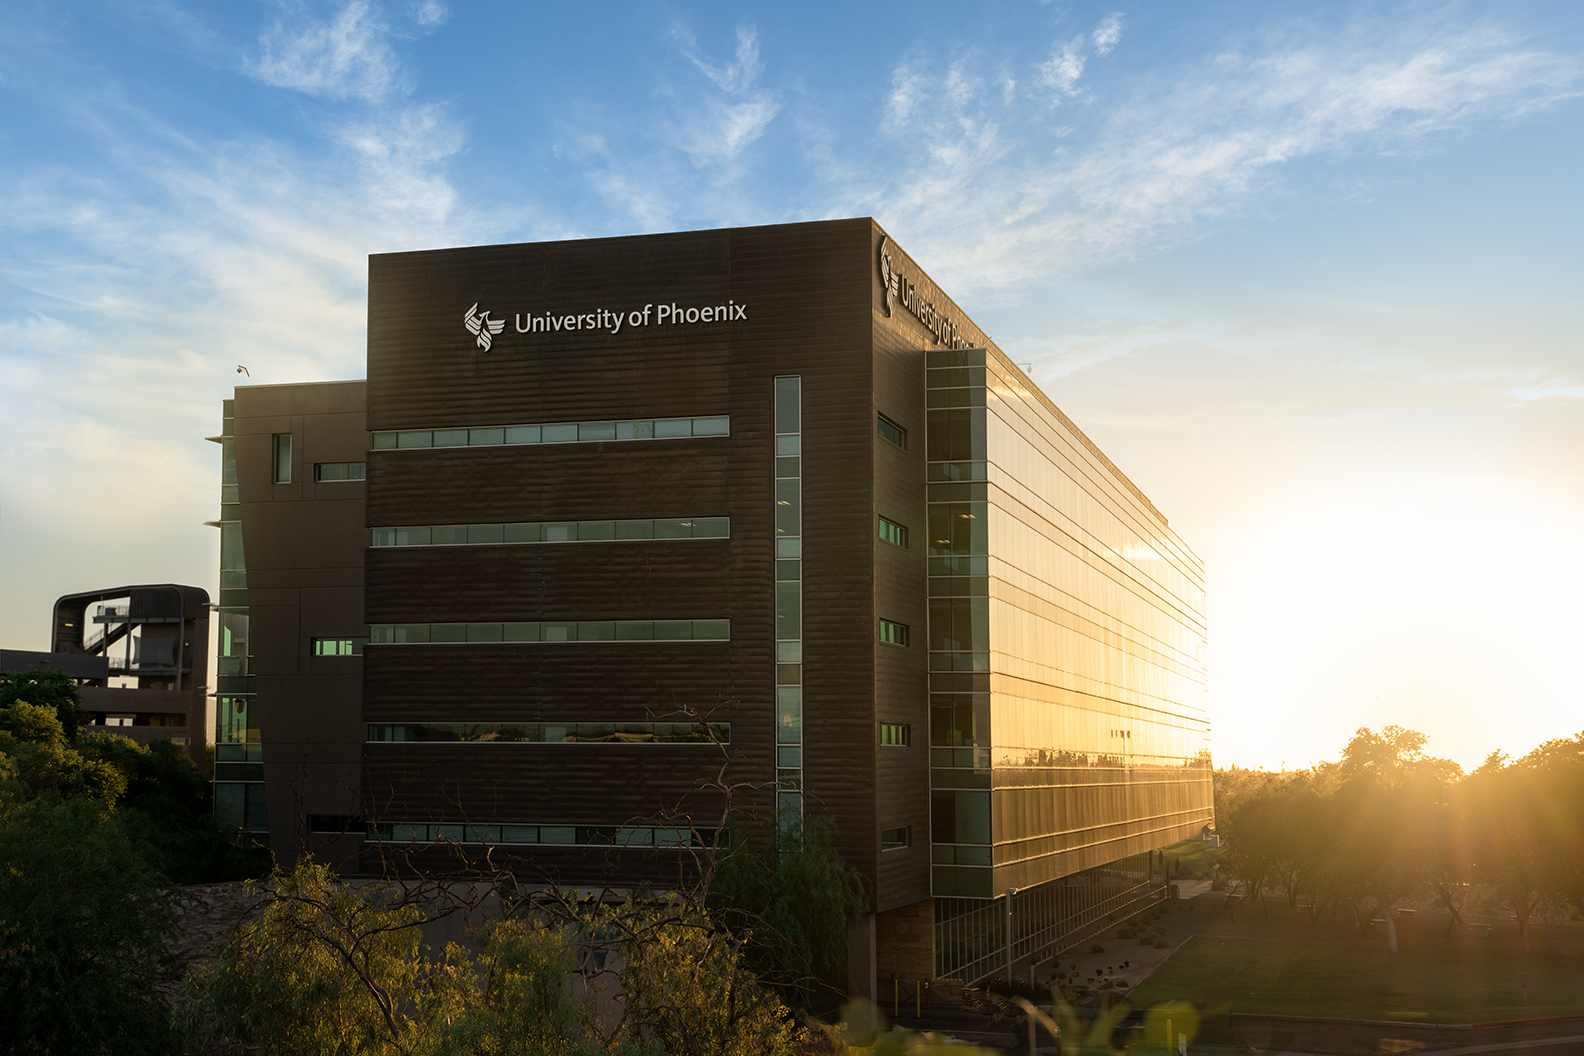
653,529
140,657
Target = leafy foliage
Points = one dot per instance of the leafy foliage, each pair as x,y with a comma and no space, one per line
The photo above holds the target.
51,689
686,987
793,892
335,968
81,945
1389,822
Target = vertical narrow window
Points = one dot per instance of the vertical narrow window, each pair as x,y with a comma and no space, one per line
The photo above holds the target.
789,597
228,471
283,458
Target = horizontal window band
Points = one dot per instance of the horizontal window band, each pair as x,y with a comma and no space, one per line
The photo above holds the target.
550,733
339,646
546,631
552,532
557,433
333,471
543,835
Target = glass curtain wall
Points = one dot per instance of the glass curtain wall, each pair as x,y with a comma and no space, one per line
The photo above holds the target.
239,755
959,636
1067,634
789,596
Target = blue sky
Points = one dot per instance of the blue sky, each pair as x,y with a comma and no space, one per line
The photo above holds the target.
1309,273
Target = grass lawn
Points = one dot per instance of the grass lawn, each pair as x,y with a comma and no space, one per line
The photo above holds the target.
1194,855
1280,966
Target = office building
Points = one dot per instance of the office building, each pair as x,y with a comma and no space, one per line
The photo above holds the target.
607,514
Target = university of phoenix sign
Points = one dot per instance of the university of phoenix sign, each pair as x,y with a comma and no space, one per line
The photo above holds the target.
483,328
897,287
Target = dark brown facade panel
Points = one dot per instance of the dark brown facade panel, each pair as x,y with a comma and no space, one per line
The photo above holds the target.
506,681
554,482
791,280
538,865
287,538
658,785
650,580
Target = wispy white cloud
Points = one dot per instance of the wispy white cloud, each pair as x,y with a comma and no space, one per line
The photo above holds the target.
148,278
1011,196
722,125
344,56
691,157
1549,390
1107,33
430,13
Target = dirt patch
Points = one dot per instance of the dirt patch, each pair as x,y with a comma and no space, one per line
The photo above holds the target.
214,910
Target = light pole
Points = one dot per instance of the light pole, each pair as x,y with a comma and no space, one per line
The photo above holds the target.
1009,893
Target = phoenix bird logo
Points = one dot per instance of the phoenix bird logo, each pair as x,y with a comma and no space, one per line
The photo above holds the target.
888,277
482,326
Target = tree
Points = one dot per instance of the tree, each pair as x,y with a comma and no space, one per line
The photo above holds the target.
332,968
51,689
1511,847
32,735
1390,804
686,987
85,917
791,894
326,968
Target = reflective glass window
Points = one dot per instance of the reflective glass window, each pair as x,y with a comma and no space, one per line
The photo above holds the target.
673,428
893,839
893,533
789,507
789,610
282,454
891,432
788,405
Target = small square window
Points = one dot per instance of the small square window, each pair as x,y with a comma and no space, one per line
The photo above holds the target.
896,734
895,839
894,633
894,533
891,432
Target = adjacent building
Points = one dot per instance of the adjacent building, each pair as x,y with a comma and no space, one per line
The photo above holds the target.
139,656
623,534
